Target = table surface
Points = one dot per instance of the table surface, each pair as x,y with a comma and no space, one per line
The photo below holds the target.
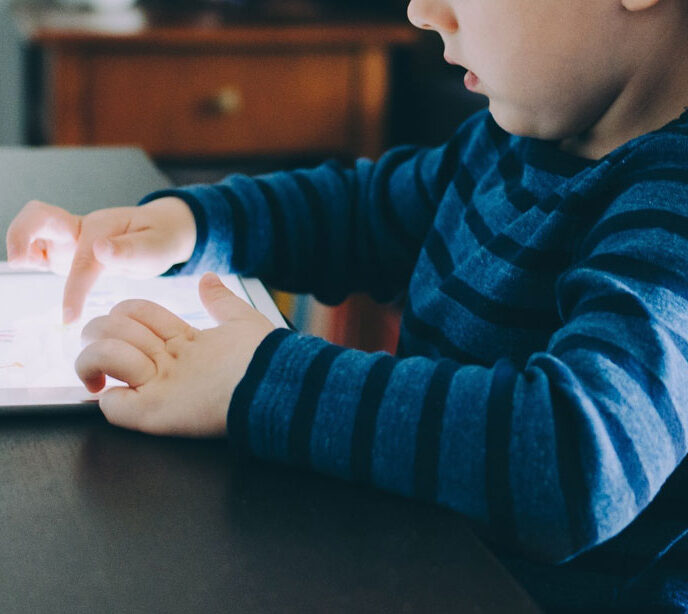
98,519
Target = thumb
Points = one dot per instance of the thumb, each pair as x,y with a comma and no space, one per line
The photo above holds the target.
220,302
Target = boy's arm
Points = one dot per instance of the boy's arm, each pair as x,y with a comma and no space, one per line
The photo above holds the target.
553,457
329,230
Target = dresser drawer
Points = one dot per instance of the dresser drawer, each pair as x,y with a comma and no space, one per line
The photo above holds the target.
218,103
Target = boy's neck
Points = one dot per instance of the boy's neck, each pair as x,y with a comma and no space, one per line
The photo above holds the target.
655,94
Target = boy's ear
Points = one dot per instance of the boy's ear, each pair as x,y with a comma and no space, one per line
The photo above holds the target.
639,5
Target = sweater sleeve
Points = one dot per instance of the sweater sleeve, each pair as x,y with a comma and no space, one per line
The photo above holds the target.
550,457
329,230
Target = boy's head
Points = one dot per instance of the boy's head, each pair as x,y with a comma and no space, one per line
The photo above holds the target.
590,73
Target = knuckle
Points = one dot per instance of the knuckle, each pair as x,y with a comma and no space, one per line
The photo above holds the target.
172,347
163,365
100,350
176,345
18,233
35,204
95,329
130,307
95,219
191,333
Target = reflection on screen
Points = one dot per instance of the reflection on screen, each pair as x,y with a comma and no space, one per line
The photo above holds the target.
37,350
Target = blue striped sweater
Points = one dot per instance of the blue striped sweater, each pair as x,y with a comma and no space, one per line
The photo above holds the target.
540,386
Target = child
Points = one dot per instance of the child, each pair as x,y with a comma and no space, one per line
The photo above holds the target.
540,384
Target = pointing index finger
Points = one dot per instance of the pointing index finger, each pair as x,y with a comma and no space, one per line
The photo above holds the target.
83,273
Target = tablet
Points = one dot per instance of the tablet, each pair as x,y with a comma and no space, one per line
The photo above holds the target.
37,351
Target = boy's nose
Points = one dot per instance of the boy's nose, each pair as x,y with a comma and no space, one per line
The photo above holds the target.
432,15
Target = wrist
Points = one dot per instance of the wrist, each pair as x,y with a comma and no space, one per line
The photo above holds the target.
179,217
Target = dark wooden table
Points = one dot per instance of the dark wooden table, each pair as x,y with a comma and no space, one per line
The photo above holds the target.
97,519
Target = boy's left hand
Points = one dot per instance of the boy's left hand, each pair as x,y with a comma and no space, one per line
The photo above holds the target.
180,379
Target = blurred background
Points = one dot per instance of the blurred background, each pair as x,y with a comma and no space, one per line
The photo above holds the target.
424,103
210,87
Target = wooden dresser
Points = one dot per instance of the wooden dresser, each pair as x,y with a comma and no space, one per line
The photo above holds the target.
199,83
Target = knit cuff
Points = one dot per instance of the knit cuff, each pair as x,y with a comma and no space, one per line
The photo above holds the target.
240,404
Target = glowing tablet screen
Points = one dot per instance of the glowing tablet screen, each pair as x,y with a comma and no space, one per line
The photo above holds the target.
38,351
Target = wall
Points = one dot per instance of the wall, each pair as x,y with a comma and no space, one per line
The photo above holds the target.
11,103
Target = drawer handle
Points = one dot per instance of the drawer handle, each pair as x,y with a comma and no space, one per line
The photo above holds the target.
228,101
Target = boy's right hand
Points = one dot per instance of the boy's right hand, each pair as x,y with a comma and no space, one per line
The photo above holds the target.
138,242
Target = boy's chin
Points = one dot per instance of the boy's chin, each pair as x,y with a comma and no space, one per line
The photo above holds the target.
527,123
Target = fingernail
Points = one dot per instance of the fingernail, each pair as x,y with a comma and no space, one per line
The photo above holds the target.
68,315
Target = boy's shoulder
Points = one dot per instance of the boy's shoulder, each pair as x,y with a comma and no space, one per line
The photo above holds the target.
643,187
667,145
655,163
